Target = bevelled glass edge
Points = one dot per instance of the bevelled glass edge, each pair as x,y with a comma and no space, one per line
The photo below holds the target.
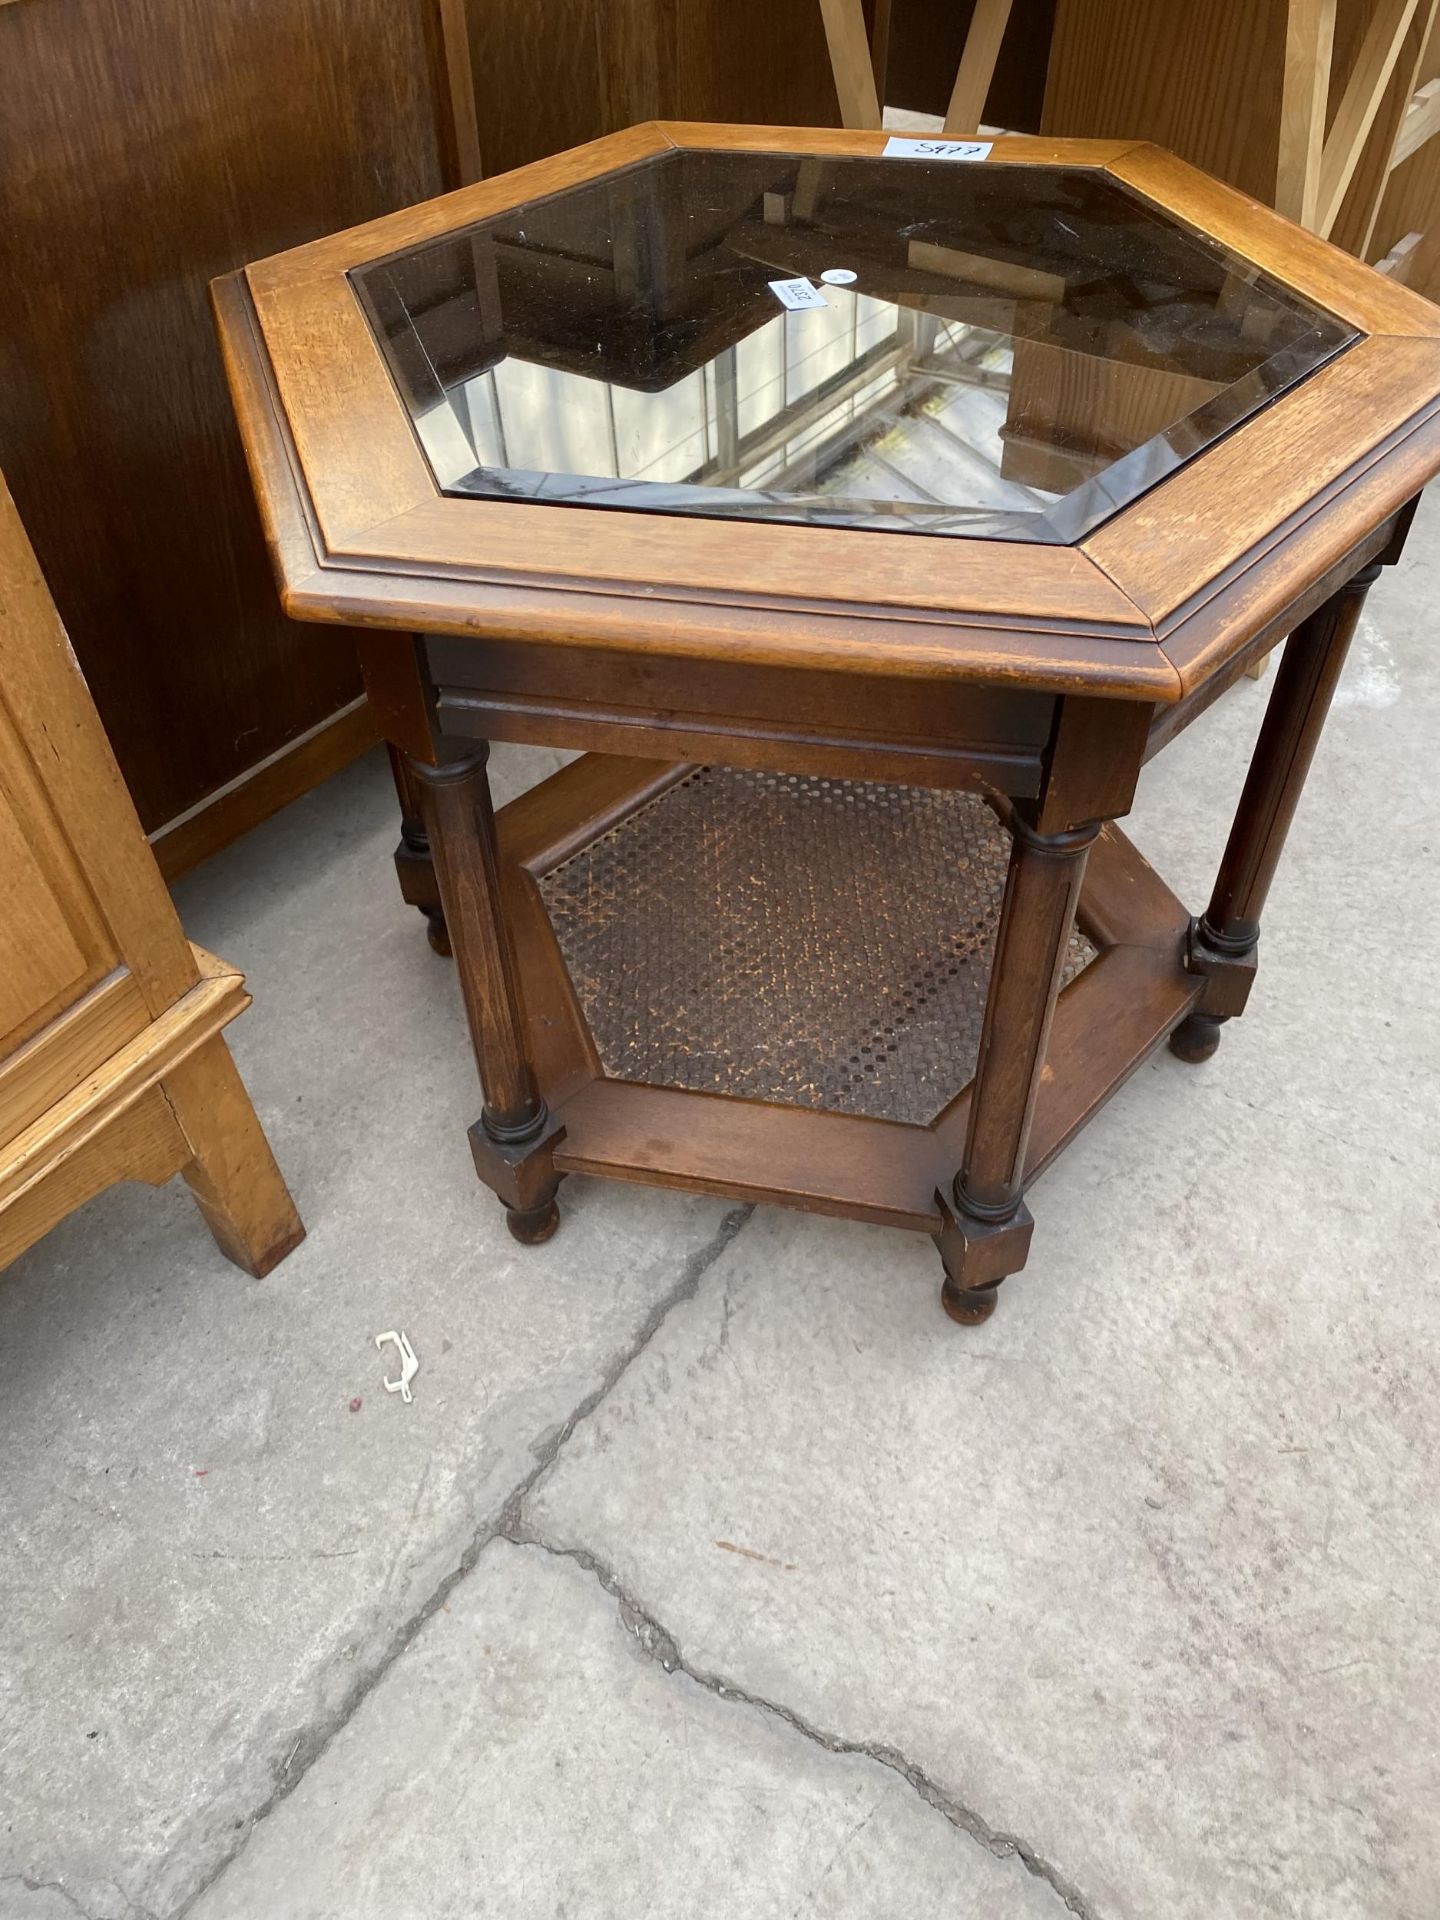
1069,520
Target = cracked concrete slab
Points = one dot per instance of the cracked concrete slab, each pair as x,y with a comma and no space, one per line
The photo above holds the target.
1143,1570
209,1553
524,1755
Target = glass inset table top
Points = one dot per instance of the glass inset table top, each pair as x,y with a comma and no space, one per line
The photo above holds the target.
992,351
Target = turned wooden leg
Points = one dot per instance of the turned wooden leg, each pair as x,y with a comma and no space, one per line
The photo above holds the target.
414,867
514,1139
985,1231
1224,941
233,1174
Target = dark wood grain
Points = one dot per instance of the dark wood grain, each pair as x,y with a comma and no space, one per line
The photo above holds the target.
1183,75
1091,769
513,1140
549,78
926,40
944,734
144,148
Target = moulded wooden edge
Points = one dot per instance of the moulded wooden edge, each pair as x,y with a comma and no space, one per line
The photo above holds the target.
292,538
1256,613
387,596
112,1086
338,253
782,566
376,505
1011,149
1213,557
1367,300
1048,661
73,1045
144,1142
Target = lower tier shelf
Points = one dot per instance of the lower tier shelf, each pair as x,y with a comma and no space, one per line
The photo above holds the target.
771,987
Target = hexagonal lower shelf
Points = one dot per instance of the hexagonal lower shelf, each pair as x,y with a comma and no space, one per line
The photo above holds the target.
764,985
818,943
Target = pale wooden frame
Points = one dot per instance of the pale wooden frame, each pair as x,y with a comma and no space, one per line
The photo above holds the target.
858,80
1315,169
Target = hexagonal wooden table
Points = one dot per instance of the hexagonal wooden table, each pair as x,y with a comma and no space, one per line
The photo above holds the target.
870,508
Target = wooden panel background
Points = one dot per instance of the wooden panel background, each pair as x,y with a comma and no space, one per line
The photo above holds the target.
926,39
1201,77
550,75
1204,78
145,146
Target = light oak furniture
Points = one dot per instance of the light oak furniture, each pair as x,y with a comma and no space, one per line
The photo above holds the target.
113,1065
868,613
859,58
919,52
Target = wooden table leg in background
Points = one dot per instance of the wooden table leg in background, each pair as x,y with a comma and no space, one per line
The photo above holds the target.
414,867
977,67
850,61
514,1139
1224,941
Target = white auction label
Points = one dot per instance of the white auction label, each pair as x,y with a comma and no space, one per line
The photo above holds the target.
896,148
797,295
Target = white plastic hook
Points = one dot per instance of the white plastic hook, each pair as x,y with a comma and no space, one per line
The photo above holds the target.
409,1365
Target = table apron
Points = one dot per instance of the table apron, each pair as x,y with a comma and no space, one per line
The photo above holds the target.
918,733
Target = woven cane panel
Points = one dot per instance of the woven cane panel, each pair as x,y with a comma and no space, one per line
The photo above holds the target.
820,943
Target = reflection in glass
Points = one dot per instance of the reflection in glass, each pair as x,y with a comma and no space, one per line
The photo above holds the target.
1021,351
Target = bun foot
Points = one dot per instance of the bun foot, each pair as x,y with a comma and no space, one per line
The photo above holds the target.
968,1306
1196,1038
535,1227
438,934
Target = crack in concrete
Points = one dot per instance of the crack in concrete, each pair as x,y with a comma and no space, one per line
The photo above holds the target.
132,1910
314,1740
45,1886
660,1645
693,1272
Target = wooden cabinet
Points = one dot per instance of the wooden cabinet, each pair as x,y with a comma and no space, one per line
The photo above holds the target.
112,1060
145,147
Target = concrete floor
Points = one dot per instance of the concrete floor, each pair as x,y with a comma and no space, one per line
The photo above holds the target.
712,1569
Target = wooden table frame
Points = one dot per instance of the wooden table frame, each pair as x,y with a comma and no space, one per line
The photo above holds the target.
825,651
